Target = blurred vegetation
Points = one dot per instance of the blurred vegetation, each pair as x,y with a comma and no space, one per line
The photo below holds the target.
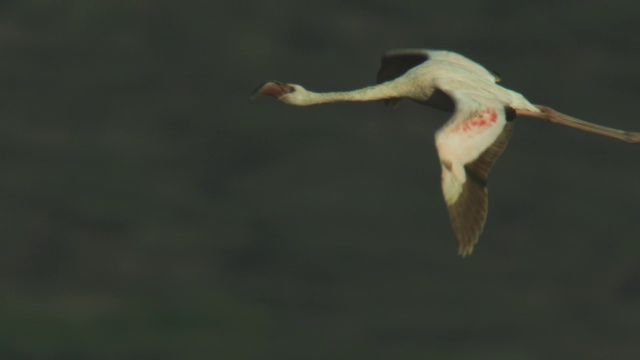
149,211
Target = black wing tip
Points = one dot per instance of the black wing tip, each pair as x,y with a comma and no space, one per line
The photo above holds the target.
468,214
396,63
467,242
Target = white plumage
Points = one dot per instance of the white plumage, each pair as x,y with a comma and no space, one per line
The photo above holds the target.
471,141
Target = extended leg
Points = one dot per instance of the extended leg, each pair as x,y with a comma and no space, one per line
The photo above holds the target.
562,119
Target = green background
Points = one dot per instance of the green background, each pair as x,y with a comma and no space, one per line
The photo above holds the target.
149,211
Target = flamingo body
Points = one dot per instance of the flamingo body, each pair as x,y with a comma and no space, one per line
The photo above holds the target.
469,144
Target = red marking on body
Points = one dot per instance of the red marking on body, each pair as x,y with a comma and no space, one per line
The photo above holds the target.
482,119
494,115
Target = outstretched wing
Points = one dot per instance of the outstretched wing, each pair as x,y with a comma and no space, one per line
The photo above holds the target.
396,63
468,146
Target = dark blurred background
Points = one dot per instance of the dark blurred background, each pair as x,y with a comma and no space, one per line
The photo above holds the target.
149,211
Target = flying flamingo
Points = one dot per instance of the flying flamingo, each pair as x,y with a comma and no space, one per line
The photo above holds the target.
471,141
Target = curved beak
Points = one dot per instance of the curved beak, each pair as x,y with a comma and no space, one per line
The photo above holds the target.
272,88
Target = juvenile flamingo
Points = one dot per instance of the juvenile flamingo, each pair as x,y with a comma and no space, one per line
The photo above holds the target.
471,141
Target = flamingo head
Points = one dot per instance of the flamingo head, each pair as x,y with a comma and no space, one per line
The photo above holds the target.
276,89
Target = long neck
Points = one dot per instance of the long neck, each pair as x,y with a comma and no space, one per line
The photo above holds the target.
372,93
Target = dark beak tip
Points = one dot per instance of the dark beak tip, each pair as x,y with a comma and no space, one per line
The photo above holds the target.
257,92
